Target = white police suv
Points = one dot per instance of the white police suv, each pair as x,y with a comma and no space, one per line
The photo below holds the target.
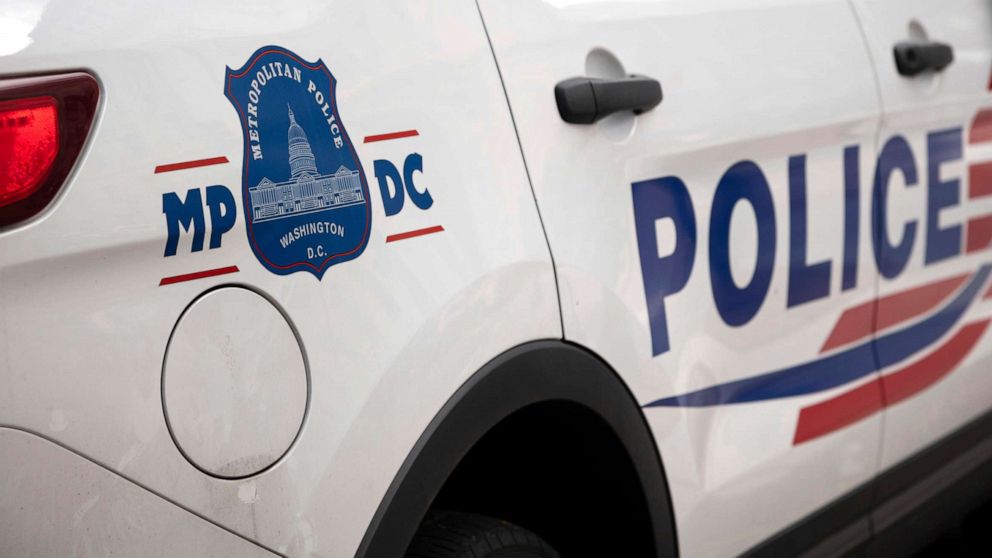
516,278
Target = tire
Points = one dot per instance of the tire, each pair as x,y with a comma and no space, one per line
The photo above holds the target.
448,534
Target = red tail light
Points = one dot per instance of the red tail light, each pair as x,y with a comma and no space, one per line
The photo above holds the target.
44,122
29,141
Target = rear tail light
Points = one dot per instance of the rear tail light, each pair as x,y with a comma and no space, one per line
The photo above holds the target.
44,122
29,141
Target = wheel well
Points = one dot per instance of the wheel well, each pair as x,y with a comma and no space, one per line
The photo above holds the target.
557,469
545,435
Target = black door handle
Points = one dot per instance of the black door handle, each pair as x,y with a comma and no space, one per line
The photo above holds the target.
584,100
915,57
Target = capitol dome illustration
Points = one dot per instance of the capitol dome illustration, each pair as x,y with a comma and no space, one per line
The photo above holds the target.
301,159
305,191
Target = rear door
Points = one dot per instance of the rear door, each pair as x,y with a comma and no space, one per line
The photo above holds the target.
932,194
707,248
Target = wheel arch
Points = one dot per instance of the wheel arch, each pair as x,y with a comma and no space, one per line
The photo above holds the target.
537,381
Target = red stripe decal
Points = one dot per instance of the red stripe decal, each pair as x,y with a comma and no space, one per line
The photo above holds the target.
865,400
191,164
979,234
980,180
198,275
856,323
391,136
988,293
411,234
981,127
922,374
836,413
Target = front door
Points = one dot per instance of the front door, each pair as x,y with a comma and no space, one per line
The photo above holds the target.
715,249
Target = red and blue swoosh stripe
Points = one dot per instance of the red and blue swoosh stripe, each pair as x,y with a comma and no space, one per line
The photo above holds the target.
866,357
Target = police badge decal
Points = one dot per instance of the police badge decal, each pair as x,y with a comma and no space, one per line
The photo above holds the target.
305,196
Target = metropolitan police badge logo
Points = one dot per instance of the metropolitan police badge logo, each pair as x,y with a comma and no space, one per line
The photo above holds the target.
305,196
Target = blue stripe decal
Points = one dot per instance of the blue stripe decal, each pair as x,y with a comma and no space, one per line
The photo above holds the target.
840,368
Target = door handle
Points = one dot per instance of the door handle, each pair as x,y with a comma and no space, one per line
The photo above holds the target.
584,100
915,57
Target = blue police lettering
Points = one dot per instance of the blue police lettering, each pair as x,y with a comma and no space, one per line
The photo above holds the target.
743,181
663,198
392,184
852,216
392,195
807,282
665,275
223,213
415,163
185,213
942,243
890,258
188,214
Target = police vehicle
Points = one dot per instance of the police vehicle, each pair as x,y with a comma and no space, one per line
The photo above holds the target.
496,278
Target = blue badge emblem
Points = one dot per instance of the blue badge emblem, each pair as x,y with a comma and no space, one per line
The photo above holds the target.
304,192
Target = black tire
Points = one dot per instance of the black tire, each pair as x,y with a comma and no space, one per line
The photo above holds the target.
448,534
